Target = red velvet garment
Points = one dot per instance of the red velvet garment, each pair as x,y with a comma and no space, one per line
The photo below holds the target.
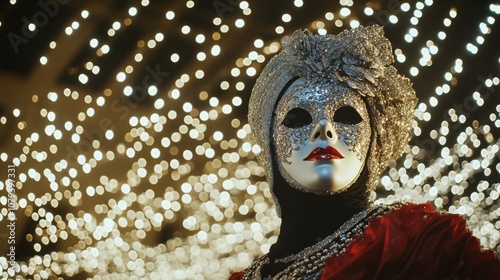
415,242
236,275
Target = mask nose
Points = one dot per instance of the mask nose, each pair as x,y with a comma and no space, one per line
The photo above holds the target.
323,131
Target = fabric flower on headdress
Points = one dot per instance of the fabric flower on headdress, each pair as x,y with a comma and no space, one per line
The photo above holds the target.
360,59
357,58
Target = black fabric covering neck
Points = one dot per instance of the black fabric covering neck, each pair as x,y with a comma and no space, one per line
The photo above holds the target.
307,218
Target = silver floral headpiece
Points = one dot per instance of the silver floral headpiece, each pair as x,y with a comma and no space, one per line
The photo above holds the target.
361,59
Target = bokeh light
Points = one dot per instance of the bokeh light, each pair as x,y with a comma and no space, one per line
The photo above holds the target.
133,157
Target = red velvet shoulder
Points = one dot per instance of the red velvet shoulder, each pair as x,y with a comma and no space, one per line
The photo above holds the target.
414,242
236,275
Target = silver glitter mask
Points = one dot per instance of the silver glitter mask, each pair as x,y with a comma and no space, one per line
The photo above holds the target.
359,59
311,116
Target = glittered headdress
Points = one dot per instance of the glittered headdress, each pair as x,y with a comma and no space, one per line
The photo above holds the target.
360,59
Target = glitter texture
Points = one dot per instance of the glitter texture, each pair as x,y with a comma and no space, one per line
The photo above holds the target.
310,262
360,59
321,101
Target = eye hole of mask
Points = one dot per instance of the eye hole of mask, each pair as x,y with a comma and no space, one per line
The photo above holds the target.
347,115
297,117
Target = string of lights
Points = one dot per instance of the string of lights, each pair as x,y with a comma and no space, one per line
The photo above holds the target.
145,167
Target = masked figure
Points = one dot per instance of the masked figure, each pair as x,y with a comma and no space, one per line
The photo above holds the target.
330,113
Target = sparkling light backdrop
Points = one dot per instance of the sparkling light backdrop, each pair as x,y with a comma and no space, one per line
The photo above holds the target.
131,150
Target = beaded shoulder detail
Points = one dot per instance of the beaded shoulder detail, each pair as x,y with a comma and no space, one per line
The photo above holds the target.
310,262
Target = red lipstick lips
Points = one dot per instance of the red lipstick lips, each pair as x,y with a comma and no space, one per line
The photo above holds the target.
324,154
